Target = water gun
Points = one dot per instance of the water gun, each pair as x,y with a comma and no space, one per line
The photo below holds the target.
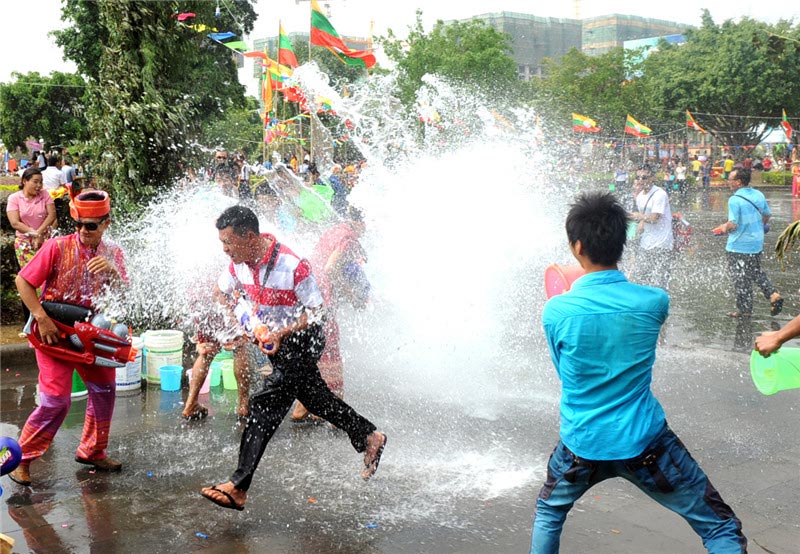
718,231
97,342
245,315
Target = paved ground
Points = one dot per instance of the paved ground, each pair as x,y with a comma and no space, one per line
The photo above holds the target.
460,472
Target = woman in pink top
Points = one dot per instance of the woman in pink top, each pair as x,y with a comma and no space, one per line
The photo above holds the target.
31,212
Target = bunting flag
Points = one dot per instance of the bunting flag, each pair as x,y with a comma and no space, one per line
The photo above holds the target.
221,36
633,127
690,122
285,51
266,94
787,127
583,124
323,34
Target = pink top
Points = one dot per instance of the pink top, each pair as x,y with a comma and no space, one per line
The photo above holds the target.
32,211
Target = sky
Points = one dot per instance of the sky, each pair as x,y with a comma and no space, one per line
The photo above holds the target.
25,45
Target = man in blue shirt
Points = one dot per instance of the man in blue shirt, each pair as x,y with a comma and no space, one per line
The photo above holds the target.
748,213
602,336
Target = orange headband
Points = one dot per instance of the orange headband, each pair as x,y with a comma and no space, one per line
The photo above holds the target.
80,207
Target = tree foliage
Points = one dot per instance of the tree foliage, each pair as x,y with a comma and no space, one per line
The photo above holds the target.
240,129
156,82
595,86
465,52
49,107
734,77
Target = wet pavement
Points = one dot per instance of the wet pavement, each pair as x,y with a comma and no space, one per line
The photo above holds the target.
458,474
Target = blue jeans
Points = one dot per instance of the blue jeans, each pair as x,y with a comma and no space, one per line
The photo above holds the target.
666,472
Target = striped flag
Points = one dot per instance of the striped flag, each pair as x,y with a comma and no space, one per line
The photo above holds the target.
787,127
583,124
690,122
323,34
633,127
285,51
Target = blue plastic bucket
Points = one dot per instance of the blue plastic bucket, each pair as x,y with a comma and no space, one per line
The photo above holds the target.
170,376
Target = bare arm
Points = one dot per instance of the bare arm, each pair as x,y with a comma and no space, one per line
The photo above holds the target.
27,292
769,342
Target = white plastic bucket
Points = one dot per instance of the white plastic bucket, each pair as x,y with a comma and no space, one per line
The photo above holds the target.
163,348
129,377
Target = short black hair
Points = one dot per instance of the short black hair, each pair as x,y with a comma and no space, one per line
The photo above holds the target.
241,218
600,223
743,174
646,167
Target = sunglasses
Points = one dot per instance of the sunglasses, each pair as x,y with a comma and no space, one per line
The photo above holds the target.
90,225
223,158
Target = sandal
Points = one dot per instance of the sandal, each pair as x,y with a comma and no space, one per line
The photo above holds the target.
230,504
777,306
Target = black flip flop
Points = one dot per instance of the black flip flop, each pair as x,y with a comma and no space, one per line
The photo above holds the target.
372,467
777,306
231,504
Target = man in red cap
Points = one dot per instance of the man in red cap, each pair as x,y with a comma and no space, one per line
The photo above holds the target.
71,269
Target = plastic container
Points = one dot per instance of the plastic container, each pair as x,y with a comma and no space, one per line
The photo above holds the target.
163,348
558,279
228,377
206,386
630,231
78,386
170,377
780,371
215,373
129,377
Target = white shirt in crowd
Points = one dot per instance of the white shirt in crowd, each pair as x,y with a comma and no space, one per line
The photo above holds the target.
52,178
658,234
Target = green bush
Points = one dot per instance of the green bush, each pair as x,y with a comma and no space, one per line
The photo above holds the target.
776,177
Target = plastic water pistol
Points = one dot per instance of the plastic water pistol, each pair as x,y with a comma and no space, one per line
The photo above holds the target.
718,231
246,316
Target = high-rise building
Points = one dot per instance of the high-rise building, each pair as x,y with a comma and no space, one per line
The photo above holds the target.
601,34
535,38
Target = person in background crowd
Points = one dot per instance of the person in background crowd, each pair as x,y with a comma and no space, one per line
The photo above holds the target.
748,213
52,177
68,171
654,256
337,263
32,213
73,269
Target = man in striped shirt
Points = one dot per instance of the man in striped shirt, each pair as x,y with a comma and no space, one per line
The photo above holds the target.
285,300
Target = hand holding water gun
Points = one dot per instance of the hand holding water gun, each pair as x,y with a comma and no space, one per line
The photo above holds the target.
246,316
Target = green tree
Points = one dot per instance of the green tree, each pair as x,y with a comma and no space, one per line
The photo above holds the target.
240,129
734,77
49,107
469,52
155,83
598,87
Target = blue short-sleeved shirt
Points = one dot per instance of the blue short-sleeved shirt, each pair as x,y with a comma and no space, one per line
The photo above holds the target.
748,238
602,336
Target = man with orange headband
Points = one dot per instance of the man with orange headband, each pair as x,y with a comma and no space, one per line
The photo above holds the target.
72,269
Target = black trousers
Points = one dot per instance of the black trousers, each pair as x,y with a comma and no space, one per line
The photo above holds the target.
745,271
295,375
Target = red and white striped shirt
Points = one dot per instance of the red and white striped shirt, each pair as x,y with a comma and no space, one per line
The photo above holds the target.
280,297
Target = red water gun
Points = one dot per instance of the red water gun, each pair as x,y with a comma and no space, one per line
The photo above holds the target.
82,341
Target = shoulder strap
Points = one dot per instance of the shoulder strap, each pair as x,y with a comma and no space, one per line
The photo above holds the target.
271,263
751,203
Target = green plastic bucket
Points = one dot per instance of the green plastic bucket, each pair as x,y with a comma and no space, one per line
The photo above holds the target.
780,371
